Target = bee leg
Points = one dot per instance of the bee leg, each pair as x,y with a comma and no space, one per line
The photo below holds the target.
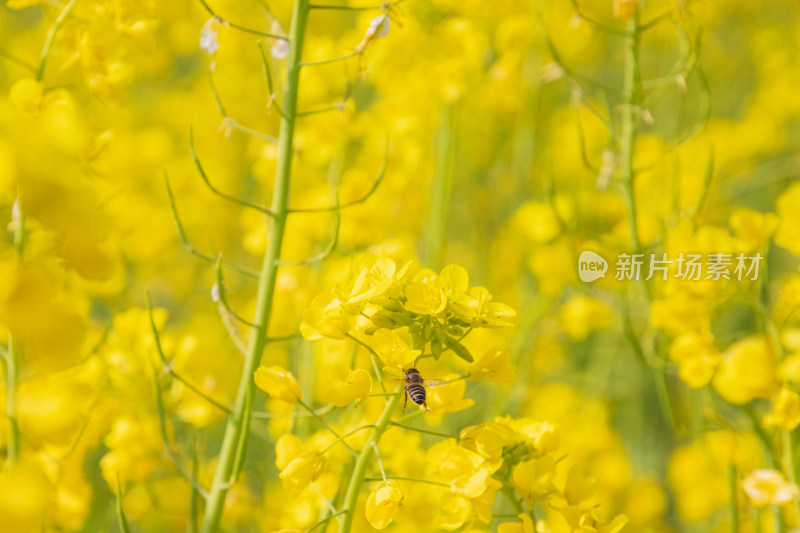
425,405
405,400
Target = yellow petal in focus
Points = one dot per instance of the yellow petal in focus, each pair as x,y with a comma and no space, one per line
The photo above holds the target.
382,504
356,387
278,383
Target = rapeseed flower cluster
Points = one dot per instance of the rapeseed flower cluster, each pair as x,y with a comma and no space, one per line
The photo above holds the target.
316,154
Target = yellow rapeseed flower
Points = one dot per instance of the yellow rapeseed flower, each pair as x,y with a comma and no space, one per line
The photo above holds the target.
534,478
449,398
493,365
325,318
278,383
696,357
748,370
768,487
355,387
392,346
425,298
752,228
298,466
525,526
785,410
382,504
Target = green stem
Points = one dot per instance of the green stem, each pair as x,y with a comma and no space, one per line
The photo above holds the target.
326,426
631,95
789,465
51,37
733,485
508,492
12,447
442,187
238,422
323,521
425,431
412,479
757,520
11,356
766,443
357,478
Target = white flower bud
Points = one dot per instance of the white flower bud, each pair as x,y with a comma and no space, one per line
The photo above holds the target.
280,50
379,25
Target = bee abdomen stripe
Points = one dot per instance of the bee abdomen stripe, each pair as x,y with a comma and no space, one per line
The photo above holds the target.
417,393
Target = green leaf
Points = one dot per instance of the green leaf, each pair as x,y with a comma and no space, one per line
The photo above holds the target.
459,349
427,331
436,349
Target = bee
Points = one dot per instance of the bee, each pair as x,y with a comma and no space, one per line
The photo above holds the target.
415,387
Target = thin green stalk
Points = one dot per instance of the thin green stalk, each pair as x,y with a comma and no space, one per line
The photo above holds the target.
359,469
193,526
238,422
508,492
51,37
121,520
323,521
789,465
325,425
442,187
757,520
412,479
733,486
766,443
424,431
631,101
12,446
12,355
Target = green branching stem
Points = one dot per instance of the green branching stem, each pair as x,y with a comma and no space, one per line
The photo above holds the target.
187,244
373,356
162,425
360,468
213,189
324,521
227,314
370,192
348,434
424,431
325,425
331,244
240,27
345,8
51,37
272,101
632,95
331,60
168,366
238,423
411,479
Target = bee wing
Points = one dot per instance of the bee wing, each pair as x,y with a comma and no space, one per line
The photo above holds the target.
433,383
